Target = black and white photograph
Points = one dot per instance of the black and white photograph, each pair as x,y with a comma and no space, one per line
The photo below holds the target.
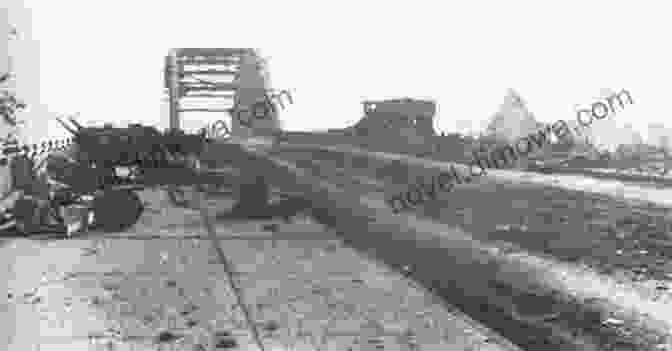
335,176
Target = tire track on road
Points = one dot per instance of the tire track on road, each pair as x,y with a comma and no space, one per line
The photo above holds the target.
594,304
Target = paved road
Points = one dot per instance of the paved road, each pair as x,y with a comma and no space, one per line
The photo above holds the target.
606,249
159,284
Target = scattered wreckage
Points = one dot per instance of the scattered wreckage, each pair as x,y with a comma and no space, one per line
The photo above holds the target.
101,171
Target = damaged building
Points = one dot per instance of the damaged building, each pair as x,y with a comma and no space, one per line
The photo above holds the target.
400,125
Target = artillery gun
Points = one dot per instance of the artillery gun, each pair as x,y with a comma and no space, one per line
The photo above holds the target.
108,164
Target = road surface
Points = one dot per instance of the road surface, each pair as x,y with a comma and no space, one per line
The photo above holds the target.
159,284
599,245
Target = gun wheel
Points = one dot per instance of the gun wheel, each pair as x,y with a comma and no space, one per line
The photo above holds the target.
177,197
117,210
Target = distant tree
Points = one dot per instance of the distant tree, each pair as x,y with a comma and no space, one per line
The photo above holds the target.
9,104
513,119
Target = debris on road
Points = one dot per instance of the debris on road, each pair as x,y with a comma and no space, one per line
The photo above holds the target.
166,337
613,321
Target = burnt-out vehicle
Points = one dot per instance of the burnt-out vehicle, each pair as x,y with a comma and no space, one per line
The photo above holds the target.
105,166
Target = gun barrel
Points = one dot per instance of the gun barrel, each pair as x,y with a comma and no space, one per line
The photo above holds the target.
67,127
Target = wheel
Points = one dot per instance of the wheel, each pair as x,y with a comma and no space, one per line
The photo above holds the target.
117,210
177,197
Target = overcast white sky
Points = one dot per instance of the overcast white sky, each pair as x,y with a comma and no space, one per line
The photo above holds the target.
104,59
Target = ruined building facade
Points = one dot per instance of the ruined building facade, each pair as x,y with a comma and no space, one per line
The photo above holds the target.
400,125
410,117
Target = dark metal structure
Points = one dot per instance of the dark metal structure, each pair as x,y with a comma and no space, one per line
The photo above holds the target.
109,163
185,70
